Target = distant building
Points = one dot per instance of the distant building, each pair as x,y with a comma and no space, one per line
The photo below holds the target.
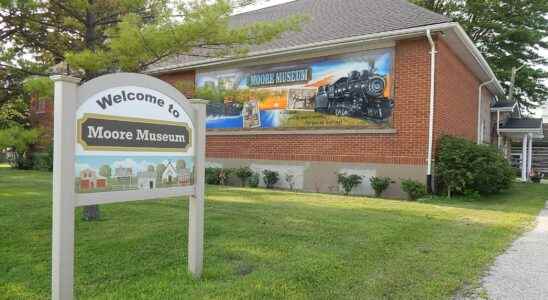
181,176
146,180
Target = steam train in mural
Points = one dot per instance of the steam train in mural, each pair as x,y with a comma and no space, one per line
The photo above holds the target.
360,95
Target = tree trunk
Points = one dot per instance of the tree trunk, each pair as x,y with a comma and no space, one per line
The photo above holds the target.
91,213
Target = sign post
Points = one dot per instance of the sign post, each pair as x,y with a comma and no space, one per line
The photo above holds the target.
118,138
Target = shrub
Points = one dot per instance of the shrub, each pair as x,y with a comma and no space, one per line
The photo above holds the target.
290,179
270,178
217,176
43,161
253,180
224,174
413,189
243,174
379,184
348,182
19,140
462,165
212,175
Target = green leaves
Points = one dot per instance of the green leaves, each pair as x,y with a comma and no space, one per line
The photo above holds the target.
137,41
18,138
464,166
508,33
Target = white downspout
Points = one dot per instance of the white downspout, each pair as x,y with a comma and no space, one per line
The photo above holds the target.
480,137
433,52
499,138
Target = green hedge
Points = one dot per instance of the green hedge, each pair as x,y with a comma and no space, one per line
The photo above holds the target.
464,167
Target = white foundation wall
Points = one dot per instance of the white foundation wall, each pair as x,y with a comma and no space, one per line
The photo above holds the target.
321,177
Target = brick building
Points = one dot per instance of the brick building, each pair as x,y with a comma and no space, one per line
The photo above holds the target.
367,87
303,114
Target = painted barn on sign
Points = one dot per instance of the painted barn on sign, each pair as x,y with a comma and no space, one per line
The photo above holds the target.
90,180
184,177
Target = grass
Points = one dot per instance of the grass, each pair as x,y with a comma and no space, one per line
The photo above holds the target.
263,244
307,119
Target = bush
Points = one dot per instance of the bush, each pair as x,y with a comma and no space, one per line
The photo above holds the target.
290,179
465,166
413,189
43,161
253,180
19,140
243,174
217,176
212,175
379,184
270,178
348,181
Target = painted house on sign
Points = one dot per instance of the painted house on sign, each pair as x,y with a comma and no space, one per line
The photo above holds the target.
90,180
146,180
170,174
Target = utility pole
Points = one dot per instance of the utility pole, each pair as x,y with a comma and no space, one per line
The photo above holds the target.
513,82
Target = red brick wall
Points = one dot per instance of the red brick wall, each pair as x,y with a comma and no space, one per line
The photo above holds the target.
407,146
457,97
41,116
182,80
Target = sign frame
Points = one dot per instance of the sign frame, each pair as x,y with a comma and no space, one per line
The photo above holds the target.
68,97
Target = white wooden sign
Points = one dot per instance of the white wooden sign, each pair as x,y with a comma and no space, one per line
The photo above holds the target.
123,137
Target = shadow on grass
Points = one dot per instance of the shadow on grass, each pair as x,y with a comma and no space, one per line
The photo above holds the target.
263,244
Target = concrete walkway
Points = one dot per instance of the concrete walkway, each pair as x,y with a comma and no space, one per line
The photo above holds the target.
522,271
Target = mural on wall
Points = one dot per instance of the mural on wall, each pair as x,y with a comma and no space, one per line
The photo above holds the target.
346,91
121,173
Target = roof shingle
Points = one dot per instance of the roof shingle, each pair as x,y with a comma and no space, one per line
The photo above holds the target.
329,20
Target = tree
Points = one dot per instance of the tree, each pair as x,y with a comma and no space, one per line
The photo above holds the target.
160,169
180,164
105,171
150,168
509,34
96,37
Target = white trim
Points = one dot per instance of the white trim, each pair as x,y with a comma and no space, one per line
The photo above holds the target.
126,196
300,132
463,36
480,97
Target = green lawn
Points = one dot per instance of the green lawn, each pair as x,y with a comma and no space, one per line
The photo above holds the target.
262,244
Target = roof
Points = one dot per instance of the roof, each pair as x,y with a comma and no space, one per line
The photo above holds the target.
334,24
522,123
330,20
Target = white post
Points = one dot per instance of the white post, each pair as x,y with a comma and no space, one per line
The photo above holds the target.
524,159
66,95
196,203
530,156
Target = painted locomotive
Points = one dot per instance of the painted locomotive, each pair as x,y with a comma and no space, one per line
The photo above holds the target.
360,95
